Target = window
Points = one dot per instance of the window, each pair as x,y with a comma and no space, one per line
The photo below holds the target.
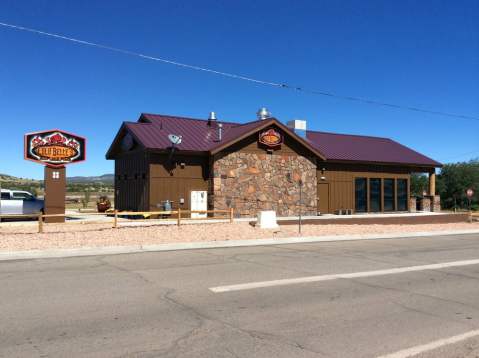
5,196
389,195
21,196
375,194
402,194
361,195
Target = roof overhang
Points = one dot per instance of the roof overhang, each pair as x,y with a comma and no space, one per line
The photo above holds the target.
110,154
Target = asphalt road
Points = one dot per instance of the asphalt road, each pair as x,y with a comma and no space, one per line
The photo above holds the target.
161,304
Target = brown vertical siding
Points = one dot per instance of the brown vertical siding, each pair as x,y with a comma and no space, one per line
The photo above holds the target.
131,181
341,180
169,180
251,145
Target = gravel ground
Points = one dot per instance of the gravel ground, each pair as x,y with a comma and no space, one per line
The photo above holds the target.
73,235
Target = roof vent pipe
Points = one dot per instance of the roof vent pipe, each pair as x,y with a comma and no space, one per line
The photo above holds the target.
211,118
263,113
220,132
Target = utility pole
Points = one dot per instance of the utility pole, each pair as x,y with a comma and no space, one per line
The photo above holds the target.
300,182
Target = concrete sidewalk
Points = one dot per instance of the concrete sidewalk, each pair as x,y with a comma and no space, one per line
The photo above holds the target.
115,250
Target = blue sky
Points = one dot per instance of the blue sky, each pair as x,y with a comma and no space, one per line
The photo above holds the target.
416,53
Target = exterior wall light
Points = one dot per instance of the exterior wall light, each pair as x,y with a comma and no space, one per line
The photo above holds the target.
322,174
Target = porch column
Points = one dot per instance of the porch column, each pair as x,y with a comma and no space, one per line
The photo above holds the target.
432,183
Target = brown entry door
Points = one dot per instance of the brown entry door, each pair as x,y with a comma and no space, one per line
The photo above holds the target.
323,198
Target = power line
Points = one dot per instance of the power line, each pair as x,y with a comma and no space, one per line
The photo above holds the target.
239,77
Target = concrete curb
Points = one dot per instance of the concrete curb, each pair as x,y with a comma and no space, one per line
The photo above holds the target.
115,250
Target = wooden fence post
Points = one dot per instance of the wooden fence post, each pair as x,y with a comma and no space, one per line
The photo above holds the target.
115,219
40,223
231,215
179,216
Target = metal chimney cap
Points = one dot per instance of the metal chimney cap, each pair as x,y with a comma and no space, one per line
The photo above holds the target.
212,116
263,113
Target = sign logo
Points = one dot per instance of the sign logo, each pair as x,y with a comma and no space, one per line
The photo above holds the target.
54,148
271,138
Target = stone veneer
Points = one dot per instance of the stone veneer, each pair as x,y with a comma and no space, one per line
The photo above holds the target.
436,203
251,182
425,204
412,204
431,203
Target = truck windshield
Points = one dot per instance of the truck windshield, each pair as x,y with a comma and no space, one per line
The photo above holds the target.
5,196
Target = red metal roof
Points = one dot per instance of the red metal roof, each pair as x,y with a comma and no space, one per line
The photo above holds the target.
152,131
366,149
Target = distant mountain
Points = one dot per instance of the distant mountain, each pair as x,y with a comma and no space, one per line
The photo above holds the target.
102,179
10,178
105,179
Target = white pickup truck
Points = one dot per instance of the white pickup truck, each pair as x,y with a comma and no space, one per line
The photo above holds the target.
16,202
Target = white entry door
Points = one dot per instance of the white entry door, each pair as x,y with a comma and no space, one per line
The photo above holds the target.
199,201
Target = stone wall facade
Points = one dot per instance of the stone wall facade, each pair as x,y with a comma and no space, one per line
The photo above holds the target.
436,203
412,204
430,203
425,204
251,182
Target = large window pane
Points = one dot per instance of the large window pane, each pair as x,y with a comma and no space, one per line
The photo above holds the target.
402,194
389,195
374,194
361,195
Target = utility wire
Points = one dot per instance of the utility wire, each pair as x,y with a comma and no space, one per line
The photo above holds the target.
236,76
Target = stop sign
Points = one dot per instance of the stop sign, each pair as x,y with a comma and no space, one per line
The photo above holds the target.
469,193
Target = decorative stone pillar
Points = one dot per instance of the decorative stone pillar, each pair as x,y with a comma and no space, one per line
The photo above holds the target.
432,183
425,203
412,204
436,203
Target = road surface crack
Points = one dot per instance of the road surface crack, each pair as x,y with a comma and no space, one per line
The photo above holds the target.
203,319
136,274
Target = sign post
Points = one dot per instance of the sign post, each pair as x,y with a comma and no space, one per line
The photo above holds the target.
469,194
300,183
54,149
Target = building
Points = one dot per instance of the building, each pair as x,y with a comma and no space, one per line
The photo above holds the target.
199,164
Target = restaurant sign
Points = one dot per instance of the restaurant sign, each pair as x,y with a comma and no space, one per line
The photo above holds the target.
54,148
271,138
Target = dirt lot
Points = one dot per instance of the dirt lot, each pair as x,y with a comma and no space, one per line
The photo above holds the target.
72,235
